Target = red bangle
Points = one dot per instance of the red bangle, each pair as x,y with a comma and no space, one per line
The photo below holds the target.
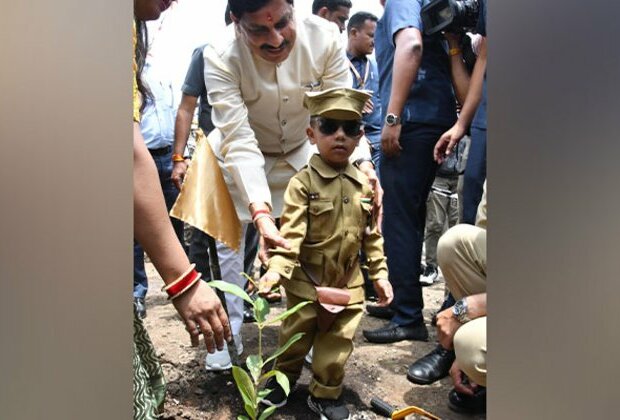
174,288
261,211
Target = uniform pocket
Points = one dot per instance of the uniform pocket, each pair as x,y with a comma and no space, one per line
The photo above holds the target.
320,220
366,217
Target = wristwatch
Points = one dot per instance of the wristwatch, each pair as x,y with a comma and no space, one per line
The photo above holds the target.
392,119
460,311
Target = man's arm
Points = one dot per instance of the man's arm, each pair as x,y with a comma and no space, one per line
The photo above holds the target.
407,59
450,138
447,324
182,127
460,75
239,147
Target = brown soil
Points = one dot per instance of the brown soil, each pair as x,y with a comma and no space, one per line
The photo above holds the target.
373,370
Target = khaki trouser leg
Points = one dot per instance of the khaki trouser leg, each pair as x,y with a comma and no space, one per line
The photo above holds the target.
331,352
462,257
291,361
470,346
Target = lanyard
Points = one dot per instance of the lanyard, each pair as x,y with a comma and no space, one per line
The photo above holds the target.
361,81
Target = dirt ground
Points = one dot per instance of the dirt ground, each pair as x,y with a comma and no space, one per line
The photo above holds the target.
374,370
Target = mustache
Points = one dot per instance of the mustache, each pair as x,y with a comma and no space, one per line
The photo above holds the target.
271,47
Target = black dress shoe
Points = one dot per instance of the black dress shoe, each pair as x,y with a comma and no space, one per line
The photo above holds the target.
432,367
393,333
138,304
462,403
383,312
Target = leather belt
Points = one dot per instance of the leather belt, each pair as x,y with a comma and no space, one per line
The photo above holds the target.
161,151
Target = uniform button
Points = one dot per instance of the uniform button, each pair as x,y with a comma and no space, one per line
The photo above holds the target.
346,200
283,123
282,140
285,99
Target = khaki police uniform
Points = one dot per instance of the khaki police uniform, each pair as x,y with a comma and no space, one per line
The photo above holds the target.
462,257
327,220
326,213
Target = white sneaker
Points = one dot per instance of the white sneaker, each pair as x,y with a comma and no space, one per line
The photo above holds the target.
220,360
429,276
308,357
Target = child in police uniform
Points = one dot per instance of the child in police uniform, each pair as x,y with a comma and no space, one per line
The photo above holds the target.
327,219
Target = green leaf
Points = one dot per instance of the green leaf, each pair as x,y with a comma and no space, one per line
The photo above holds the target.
288,313
263,393
269,411
282,349
233,289
250,409
255,364
243,418
283,382
245,385
267,375
261,309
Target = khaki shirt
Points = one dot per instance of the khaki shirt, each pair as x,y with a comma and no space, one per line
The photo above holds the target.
258,109
325,220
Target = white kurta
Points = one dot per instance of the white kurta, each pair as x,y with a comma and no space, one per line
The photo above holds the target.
260,137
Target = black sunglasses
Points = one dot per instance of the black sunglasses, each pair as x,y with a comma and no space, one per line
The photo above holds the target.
351,128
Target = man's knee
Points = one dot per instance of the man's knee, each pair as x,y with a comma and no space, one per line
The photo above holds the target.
461,255
470,346
452,244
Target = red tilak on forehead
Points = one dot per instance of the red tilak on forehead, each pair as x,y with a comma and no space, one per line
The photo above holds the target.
269,18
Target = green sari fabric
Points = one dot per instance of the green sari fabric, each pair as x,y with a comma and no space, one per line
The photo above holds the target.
149,385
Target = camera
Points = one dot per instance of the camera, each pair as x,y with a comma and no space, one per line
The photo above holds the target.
449,16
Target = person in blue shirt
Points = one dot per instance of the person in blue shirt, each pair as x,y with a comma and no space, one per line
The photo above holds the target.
157,127
418,105
361,34
474,112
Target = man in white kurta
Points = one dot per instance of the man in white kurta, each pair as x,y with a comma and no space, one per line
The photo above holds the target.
256,77
258,113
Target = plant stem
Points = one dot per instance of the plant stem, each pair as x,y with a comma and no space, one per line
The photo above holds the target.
260,342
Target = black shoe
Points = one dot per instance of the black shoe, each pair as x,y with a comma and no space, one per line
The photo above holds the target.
383,312
393,333
277,397
138,304
466,404
329,409
432,367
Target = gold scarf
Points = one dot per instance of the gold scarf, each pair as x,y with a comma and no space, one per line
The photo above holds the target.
204,201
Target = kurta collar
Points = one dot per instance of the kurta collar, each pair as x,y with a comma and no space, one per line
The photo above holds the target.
326,171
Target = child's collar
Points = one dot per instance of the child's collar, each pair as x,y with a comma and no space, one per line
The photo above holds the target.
326,171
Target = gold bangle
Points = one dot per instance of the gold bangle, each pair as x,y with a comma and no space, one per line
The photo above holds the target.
178,158
454,51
